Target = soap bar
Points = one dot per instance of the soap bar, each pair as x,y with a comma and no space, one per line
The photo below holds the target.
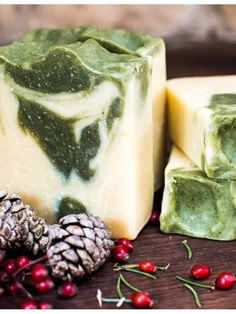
195,205
202,122
76,127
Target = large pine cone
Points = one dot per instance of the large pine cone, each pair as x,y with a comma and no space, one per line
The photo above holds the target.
20,226
78,245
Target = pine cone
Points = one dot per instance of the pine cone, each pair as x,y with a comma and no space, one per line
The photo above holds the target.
20,226
78,246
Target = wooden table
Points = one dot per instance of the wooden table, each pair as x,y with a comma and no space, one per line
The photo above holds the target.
169,293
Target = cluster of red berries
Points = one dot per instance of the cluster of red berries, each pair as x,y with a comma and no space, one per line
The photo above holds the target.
66,290
224,280
33,305
120,254
40,278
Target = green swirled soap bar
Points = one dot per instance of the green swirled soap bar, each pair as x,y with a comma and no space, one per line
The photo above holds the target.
195,205
79,109
202,122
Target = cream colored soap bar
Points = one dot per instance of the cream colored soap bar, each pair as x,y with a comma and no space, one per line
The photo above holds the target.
202,122
79,109
196,205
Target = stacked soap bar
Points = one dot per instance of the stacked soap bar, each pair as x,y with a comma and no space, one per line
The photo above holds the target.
199,197
79,109
196,205
202,122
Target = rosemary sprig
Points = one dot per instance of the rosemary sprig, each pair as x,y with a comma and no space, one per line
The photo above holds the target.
119,302
195,295
188,248
118,288
141,273
128,285
118,267
161,268
194,283
114,300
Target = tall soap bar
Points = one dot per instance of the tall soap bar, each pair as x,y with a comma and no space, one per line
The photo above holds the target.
76,126
202,122
195,205
153,49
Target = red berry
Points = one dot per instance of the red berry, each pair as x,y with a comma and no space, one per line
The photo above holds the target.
22,261
155,217
13,287
126,243
45,285
10,265
67,290
119,254
225,280
39,272
201,271
141,300
45,305
147,266
28,305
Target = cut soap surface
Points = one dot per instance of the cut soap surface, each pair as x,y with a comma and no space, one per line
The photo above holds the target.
196,205
202,122
76,127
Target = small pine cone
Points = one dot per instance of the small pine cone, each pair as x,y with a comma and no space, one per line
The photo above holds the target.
78,246
20,227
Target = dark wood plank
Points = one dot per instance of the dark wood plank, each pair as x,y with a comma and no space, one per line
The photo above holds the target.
166,290
165,248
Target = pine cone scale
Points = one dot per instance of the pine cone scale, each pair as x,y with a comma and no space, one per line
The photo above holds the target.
3,243
60,247
71,256
89,233
75,230
73,240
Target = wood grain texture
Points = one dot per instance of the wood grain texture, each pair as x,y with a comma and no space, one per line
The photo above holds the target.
165,248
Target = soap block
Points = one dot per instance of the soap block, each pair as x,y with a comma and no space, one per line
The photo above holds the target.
76,127
195,205
202,122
